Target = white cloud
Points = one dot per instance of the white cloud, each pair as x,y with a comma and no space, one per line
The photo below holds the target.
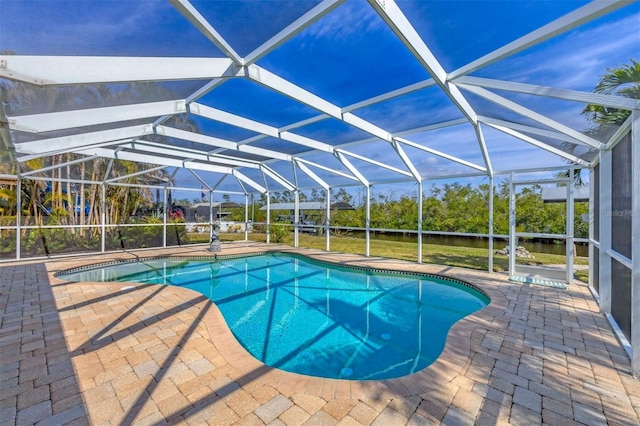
353,19
575,60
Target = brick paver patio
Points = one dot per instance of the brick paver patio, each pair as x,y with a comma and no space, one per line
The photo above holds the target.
87,353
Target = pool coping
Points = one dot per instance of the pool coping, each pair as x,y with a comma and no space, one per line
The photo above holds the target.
449,364
393,271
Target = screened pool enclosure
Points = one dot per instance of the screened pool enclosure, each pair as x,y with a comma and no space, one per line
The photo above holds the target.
106,104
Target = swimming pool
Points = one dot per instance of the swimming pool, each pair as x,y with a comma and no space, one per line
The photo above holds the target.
316,318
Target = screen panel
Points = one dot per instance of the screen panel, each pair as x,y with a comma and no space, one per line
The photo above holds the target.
621,211
621,296
596,203
595,279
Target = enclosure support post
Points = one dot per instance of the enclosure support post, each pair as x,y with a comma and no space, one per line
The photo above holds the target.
103,219
164,217
569,227
210,215
592,235
268,238
368,223
246,216
296,217
635,244
18,215
512,226
420,221
605,231
490,258
327,221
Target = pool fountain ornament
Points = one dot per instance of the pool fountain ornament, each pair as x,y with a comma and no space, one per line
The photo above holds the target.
214,245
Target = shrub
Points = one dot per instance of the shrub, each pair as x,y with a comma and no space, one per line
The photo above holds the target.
278,232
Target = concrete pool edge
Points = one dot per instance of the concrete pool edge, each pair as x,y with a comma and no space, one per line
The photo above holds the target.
449,364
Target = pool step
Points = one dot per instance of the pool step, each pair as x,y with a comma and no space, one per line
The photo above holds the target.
538,281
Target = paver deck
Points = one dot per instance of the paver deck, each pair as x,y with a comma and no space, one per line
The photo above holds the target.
89,353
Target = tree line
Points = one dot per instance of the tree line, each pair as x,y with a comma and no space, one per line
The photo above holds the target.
452,207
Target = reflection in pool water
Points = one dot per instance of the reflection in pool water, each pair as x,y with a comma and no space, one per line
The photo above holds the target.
316,318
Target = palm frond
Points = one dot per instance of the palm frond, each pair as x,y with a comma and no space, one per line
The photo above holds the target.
621,81
626,74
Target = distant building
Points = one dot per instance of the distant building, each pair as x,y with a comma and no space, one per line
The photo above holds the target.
315,207
558,194
309,212
199,212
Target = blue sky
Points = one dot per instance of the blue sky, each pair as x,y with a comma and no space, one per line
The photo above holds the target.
346,57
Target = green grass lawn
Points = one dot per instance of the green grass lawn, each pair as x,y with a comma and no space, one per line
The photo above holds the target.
466,257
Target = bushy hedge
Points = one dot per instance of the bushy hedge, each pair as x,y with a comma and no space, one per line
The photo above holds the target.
50,241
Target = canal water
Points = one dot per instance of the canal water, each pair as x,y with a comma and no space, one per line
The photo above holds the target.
534,246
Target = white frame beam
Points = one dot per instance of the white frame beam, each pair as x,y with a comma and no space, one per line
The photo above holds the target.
307,142
512,226
551,92
375,163
280,85
199,21
541,145
242,177
292,29
526,112
569,227
66,70
406,160
441,154
255,126
317,179
620,133
285,87
368,102
635,244
418,177
341,157
74,142
263,152
202,181
435,126
325,168
139,173
204,155
24,158
38,123
195,137
483,148
529,129
277,177
188,154
146,158
390,95
58,166
232,119
400,25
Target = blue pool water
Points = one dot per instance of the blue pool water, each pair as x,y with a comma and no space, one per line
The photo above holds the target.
315,318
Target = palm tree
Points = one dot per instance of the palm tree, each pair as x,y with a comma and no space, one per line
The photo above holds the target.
621,81
122,202
577,177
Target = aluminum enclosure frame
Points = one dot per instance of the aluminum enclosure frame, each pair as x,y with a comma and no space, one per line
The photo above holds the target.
131,131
